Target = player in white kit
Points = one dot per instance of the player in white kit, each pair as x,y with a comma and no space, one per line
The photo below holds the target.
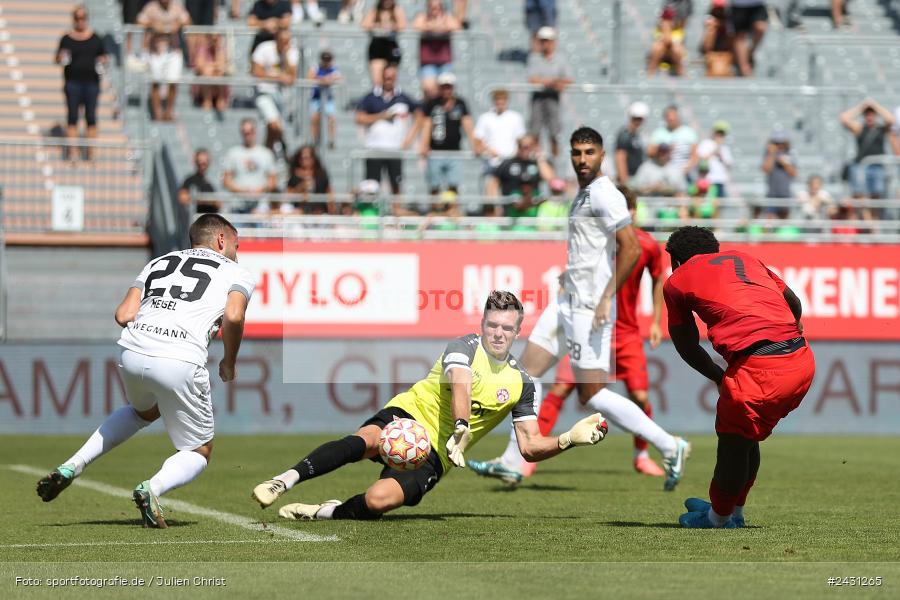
581,322
169,316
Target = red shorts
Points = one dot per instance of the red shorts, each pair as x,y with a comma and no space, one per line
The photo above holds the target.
631,363
759,391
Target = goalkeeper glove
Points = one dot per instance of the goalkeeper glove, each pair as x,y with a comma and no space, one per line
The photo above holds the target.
457,443
586,432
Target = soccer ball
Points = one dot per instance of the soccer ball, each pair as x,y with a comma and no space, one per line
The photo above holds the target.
404,444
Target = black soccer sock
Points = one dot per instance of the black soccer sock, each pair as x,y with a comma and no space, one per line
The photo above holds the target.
733,458
355,508
330,456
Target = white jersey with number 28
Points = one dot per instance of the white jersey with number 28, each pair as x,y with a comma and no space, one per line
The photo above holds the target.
597,213
184,295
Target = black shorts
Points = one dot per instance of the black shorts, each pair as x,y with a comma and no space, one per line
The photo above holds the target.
385,49
394,167
131,9
744,17
415,484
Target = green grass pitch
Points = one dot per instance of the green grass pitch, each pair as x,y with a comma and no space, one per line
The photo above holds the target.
585,524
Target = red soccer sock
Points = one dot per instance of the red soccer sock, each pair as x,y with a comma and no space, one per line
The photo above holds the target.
640,444
549,413
722,502
742,497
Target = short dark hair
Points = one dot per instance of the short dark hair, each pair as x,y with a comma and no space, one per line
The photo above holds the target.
686,242
503,300
586,135
630,196
207,226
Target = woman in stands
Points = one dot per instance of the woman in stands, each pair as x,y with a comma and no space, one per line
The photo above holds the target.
384,21
435,49
308,176
81,54
211,60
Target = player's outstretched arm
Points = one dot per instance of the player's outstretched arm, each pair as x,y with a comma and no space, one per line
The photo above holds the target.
129,307
536,447
232,332
461,388
686,338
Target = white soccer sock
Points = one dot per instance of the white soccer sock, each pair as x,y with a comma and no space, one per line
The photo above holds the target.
120,425
627,415
289,478
512,457
715,518
179,469
641,453
326,511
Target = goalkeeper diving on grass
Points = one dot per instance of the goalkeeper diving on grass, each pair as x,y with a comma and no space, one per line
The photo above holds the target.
470,390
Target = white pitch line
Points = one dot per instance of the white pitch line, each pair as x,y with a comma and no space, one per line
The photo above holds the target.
193,509
148,543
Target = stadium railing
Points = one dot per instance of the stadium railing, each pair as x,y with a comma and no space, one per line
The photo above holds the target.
738,220
812,45
111,187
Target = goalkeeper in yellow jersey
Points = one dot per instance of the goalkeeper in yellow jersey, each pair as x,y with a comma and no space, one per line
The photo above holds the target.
469,391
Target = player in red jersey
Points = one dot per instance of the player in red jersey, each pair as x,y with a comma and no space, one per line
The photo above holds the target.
631,363
753,321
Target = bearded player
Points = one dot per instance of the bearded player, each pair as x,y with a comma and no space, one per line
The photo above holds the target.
470,389
580,323
753,321
631,363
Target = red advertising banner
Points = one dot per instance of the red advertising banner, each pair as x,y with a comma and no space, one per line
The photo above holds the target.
437,289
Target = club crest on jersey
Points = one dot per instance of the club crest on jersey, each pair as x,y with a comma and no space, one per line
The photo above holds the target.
502,395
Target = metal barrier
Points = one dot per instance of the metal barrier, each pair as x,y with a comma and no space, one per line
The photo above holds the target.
104,195
737,221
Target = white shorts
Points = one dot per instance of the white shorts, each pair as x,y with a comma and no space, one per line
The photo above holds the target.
180,390
565,330
166,67
269,107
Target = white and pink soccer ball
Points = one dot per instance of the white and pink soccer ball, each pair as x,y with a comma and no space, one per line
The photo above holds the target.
404,444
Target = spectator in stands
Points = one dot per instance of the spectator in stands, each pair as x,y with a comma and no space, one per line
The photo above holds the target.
715,151
383,22
445,119
548,69
197,183
668,46
521,176
553,212
496,135
83,58
704,200
326,75
717,45
838,8
659,176
538,15
250,169
268,16
868,181
435,49
815,201
387,115
211,60
275,66
313,12
130,11
202,12
164,20
681,139
630,143
308,176
749,18
780,168
845,212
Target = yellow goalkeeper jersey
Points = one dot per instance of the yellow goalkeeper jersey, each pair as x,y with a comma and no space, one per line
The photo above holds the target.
498,388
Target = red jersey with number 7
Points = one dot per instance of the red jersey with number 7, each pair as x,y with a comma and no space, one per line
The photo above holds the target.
740,300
